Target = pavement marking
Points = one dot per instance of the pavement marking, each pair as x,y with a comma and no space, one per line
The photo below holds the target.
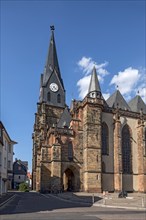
66,200
3,203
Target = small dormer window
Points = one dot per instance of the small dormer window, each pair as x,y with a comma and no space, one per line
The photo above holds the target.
49,96
58,98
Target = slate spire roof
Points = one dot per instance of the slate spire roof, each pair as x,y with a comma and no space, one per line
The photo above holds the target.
116,99
94,83
52,60
136,104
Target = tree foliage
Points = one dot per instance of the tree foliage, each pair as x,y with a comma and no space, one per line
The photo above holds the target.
23,187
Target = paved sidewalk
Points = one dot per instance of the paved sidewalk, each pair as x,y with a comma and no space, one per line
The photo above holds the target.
133,201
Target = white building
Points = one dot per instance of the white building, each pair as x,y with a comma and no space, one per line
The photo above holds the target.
6,160
20,172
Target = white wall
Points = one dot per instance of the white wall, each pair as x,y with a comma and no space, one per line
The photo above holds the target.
5,157
19,178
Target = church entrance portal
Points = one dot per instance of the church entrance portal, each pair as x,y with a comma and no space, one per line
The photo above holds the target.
68,180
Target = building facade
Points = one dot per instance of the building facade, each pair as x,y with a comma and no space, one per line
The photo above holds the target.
6,160
94,146
19,172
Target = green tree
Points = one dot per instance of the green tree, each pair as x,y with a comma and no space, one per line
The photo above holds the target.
23,187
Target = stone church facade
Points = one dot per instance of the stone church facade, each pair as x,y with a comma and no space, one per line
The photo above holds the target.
95,145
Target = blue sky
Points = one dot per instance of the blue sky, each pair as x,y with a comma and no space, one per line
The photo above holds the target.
108,34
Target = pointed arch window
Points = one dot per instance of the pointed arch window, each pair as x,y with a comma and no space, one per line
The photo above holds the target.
105,139
126,150
58,98
70,151
49,96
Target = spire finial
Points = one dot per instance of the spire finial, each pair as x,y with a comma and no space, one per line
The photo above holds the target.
117,87
52,27
138,92
94,65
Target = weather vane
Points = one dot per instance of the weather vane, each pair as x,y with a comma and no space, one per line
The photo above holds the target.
52,27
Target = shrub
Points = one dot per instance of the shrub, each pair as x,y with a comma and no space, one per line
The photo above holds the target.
23,187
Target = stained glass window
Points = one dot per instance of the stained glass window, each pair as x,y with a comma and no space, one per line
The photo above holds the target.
70,151
126,150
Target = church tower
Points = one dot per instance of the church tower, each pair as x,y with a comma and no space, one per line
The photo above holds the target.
50,108
92,112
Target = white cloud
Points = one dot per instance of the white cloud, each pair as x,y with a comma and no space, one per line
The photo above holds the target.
106,95
141,90
126,80
86,64
83,85
130,81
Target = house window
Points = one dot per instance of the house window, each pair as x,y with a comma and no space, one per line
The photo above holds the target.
19,177
126,150
58,98
9,164
105,139
70,151
4,162
5,145
49,96
9,148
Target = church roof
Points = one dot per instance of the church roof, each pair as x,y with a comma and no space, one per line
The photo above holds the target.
136,104
52,61
64,119
94,83
116,99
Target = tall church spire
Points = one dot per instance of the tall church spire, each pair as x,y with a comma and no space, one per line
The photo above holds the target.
51,87
94,87
52,60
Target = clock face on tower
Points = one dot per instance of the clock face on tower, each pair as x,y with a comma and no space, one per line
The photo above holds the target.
54,87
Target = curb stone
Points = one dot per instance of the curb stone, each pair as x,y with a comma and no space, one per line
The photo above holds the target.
119,207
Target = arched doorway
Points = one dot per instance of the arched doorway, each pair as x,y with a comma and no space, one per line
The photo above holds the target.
68,180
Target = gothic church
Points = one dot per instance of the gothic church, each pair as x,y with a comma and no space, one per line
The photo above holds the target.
95,145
